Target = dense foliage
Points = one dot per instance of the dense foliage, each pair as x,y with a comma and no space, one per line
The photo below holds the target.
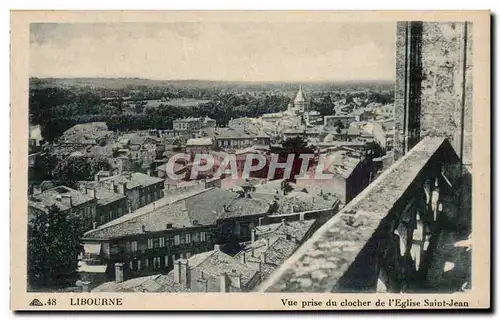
53,249
74,169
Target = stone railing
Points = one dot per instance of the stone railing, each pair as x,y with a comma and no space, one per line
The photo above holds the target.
386,238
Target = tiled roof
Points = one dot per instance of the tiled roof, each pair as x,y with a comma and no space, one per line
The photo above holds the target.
228,133
49,198
155,283
245,206
216,262
188,120
103,195
298,201
153,221
297,229
274,243
133,179
199,142
203,207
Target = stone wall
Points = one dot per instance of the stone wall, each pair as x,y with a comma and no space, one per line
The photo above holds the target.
444,99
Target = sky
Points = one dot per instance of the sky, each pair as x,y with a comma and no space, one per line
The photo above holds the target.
242,51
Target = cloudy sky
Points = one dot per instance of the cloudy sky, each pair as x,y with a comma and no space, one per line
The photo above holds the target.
246,51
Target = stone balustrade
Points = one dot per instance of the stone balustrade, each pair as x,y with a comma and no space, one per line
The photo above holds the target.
386,237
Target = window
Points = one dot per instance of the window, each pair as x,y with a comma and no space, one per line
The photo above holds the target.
177,239
162,242
156,263
188,237
120,211
133,246
203,236
110,215
138,265
196,237
131,265
150,243
143,200
103,219
146,263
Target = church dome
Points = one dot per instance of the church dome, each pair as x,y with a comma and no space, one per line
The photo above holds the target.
300,97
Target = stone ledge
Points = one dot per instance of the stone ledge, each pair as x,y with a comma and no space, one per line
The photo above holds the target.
318,264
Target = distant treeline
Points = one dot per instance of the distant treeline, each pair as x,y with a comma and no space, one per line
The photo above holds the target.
57,109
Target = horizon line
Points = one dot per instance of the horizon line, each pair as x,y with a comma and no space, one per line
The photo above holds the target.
212,80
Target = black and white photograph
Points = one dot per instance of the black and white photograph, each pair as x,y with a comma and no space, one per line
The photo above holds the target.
288,156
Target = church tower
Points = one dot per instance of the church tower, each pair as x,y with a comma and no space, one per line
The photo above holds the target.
300,102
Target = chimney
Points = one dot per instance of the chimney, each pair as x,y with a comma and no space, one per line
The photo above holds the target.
185,273
260,220
283,221
243,257
94,225
90,192
216,247
177,271
254,235
121,188
263,257
118,272
235,278
267,242
224,282
66,200
85,285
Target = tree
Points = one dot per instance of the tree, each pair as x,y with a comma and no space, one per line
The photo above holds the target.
74,169
53,248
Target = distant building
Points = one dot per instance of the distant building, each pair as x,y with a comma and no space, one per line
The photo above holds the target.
188,124
152,283
351,173
110,205
67,200
301,132
227,138
209,123
215,271
241,123
300,104
35,135
150,241
139,188
272,117
346,120
199,145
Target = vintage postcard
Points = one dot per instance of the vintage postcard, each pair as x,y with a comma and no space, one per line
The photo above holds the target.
250,160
